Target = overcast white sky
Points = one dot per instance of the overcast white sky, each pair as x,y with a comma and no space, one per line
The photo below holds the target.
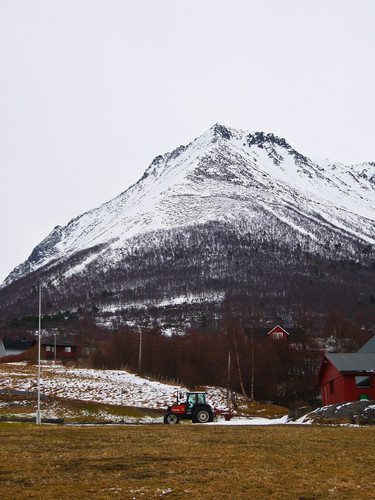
92,90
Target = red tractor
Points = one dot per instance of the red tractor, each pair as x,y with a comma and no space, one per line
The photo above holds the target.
195,409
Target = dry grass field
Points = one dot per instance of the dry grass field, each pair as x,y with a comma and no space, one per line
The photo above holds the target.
186,461
15,407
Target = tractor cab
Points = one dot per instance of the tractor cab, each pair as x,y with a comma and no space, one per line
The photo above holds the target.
193,399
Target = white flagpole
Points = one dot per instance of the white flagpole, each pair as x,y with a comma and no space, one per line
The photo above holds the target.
38,419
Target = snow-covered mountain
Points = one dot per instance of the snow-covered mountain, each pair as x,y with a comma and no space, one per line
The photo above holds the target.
224,175
252,183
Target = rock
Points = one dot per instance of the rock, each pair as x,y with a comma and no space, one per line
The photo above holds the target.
355,412
299,412
360,420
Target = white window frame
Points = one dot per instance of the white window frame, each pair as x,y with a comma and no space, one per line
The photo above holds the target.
277,335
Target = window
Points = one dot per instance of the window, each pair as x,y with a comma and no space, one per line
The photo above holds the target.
68,349
191,401
278,335
201,399
332,387
362,381
48,347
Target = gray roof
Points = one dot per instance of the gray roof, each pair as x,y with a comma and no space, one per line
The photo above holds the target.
59,342
17,345
369,346
352,362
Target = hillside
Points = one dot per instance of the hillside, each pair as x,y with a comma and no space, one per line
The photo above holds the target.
232,213
81,394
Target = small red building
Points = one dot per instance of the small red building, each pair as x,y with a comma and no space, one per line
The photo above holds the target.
278,333
346,377
65,349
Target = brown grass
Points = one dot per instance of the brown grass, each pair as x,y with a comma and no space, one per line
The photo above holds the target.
18,407
266,410
187,461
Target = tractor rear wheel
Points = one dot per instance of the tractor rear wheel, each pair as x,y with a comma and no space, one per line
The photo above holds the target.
202,415
171,418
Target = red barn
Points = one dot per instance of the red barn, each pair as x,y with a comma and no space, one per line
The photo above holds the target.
346,377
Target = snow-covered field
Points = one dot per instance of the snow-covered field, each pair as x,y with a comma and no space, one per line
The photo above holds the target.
111,387
117,387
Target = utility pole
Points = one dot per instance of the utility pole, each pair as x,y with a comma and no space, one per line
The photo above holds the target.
228,379
140,353
38,419
252,367
54,348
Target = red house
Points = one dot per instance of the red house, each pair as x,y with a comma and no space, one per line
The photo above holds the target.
278,333
65,349
346,377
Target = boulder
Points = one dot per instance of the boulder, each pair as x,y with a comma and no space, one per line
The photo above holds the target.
354,412
299,412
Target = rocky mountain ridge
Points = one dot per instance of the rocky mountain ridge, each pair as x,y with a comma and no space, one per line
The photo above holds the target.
228,191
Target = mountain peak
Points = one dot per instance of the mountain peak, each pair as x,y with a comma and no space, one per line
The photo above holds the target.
260,138
221,131
226,174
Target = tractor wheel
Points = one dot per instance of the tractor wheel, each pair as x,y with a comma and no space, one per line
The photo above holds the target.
202,415
171,418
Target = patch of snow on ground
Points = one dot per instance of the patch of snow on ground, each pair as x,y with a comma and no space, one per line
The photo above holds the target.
117,387
252,421
342,406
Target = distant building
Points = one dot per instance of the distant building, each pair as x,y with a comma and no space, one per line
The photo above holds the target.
65,349
278,333
13,347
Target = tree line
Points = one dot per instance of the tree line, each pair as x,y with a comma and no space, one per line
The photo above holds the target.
236,353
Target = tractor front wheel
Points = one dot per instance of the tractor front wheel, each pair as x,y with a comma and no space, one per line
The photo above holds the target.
171,418
202,416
